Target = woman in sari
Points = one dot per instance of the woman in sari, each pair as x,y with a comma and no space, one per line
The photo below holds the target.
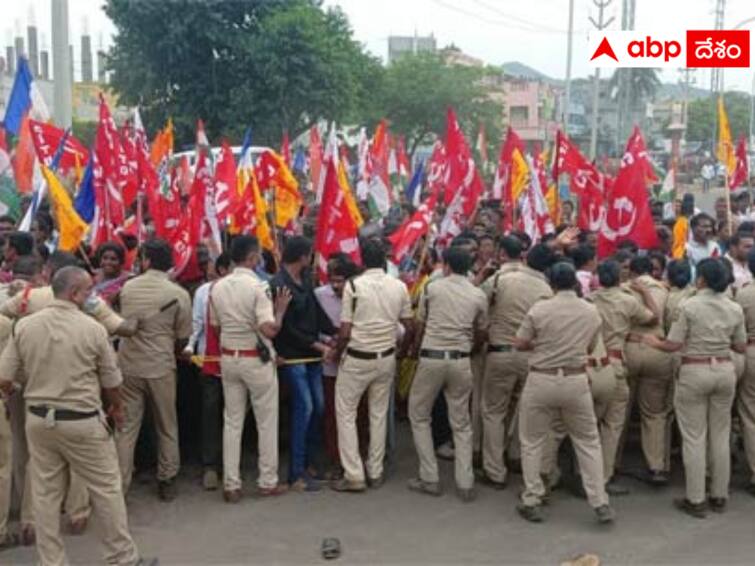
110,277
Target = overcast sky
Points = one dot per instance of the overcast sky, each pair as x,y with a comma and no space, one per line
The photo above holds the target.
530,31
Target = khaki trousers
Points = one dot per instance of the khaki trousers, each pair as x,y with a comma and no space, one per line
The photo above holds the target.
568,398
86,448
746,410
650,377
454,378
478,375
611,415
161,395
505,375
6,469
249,378
356,376
76,504
703,399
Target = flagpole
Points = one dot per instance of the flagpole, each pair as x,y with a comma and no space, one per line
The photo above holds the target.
728,201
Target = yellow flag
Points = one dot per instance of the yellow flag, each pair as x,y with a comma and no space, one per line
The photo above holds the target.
261,225
288,200
520,174
725,150
70,225
553,200
351,204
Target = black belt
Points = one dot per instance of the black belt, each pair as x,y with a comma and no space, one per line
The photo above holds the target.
63,414
358,354
492,348
443,354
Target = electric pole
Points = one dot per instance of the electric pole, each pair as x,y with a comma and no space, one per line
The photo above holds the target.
600,25
567,101
61,64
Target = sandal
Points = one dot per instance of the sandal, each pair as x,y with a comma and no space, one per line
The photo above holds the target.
331,548
10,540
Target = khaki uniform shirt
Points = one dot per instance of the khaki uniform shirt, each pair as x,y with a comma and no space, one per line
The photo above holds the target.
515,293
659,293
150,353
451,308
746,299
675,299
381,302
63,356
240,303
708,324
24,303
619,311
563,329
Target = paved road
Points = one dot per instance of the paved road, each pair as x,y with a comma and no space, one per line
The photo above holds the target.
395,526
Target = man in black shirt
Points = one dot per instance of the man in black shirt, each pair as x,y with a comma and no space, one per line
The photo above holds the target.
301,344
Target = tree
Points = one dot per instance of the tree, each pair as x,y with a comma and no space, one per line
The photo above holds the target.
703,116
634,87
419,88
271,64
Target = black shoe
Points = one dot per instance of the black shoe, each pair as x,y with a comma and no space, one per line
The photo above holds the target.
166,490
376,483
466,495
616,489
485,479
717,504
420,486
657,478
531,513
750,488
605,514
697,510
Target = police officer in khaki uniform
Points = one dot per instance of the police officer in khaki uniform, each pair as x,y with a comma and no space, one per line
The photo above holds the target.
29,300
708,327
7,540
649,373
453,314
374,304
240,304
148,362
619,310
560,332
746,398
511,293
66,426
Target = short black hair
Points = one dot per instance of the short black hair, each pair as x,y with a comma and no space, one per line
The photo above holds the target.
223,261
7,219
714,274
27,266
21,242
622,255
562,276
342,266
44,222
58,260
738,236
746,227
159,254
697,218
486,236
42,251
523,237
242,246
373,254
641,265
659,256
582,255
458,259
296,248
540,257
628,245
463,240
512,246
114,247
609,273
679,273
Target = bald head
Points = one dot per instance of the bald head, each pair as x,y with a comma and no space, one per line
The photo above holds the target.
71,284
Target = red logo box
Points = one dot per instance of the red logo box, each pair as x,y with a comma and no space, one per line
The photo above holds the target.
718,48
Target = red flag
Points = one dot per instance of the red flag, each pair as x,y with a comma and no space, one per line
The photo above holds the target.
23,158
627,208
437,169
47,138
404,167
741,171
286,149
412,229
225,182
185,238
636,146
128,143
111,175
315,157
336,229
502,182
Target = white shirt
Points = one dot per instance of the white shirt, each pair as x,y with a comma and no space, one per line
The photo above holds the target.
742,275
198,337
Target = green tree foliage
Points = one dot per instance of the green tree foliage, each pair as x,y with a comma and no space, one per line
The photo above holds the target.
273,64
419,88
703,116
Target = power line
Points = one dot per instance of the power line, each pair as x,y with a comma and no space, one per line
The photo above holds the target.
534,25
